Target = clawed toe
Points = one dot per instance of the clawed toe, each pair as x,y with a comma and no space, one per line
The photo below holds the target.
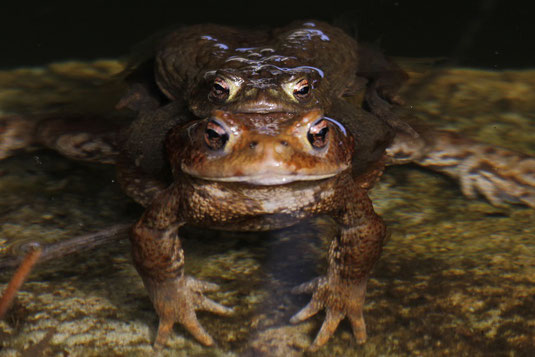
310,310
189,320
164,330
200,286
314,306
359,328
307,287
332,320
202,302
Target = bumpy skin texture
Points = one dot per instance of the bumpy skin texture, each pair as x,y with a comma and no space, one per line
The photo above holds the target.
241,130
257,152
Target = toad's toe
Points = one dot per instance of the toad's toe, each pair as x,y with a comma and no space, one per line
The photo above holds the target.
331,322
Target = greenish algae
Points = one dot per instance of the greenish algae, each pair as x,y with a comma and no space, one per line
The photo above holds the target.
457,277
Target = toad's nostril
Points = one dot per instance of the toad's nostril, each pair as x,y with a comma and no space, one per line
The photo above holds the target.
281,146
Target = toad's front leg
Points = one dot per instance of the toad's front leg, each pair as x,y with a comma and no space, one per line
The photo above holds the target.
352,255
159,259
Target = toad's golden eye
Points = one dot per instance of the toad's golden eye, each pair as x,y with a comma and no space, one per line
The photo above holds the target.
215,135
318,134
302,89
220,90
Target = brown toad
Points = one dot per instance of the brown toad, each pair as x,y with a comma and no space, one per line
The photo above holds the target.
258,136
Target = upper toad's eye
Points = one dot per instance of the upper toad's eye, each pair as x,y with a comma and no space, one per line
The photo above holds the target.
317,134
302,89
215,135
220,90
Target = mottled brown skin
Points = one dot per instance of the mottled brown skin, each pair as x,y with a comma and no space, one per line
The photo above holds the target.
214,202
244,130
251,150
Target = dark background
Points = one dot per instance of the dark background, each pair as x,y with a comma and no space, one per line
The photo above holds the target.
480,33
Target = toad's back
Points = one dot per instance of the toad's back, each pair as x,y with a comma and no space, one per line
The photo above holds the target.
190,53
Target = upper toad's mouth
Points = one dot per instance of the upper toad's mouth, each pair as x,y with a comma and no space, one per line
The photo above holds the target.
254,107
266,110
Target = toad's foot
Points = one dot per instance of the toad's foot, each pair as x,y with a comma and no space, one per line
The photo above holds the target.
499,174
339,299
509,178
16,133
177,300
76,137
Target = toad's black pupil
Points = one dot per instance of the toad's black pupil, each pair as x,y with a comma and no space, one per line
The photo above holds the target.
212,134
219,88
303,90
318,140
319,137
323,132
215,136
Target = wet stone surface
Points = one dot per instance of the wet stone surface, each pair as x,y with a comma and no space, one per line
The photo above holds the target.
457,277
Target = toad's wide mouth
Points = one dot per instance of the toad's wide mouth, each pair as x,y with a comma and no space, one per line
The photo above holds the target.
268,179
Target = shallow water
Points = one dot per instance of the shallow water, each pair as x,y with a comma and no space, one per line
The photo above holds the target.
457,276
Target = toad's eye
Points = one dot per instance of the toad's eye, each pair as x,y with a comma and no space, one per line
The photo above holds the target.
302,89
318,134
220,90
215,135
